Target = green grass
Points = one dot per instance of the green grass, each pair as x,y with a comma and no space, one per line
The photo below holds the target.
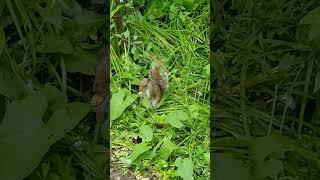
179,38
266,116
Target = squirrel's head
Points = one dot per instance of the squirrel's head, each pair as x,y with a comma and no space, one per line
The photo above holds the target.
142,86
158,66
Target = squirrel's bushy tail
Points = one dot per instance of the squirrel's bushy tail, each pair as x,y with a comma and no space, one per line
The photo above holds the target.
160,76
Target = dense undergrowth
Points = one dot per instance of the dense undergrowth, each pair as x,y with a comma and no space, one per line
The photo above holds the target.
172,142
48,53
265,60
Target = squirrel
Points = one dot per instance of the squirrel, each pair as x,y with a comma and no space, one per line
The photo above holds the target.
101,95
154,86
100,84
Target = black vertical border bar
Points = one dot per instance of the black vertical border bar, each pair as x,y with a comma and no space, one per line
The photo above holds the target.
107,117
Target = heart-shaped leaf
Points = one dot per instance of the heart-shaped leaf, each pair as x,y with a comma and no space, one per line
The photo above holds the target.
138,150
147,133
166,149
185,168
224,164
10,85
25,138
277,145
175,118
313,17
119,102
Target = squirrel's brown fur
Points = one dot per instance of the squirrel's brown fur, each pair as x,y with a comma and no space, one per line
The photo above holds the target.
154,86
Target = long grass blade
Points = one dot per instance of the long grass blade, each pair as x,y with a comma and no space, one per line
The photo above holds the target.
30,33
16,23
273,109
243,99
305,93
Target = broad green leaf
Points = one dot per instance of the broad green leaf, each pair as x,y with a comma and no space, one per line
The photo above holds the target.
178,161
22,140
175,118
275,145
81,61
166,149
10,86
119,102
144,156
313,17
185,168
52,43
226,167
54,96
25,138
317,83
194,110
30,113
314,34
261,148
135,53
147,133
189,4
138,150
64,120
